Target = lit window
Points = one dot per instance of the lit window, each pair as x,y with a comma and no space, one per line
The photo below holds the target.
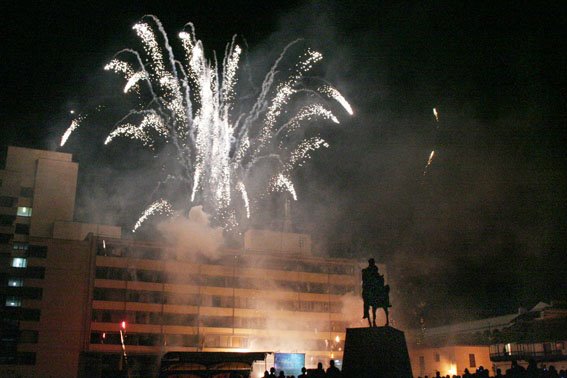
13,302
15,282
20,246
19,262
24,211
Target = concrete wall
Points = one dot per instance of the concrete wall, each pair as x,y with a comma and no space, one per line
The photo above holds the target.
23,160
53,178
63,308
54,195
452,359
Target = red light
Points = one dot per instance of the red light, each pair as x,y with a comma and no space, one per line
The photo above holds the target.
123,324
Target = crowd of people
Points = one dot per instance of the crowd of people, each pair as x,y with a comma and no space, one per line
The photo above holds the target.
331,372
515,371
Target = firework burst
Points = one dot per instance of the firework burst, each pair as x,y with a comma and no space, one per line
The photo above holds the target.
191,104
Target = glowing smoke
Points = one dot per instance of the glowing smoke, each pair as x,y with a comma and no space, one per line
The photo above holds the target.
191,106
193,235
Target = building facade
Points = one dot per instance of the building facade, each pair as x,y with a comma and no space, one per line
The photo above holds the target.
42,255
80,300
538,334
240,301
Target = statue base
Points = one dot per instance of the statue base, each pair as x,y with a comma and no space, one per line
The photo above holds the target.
376,352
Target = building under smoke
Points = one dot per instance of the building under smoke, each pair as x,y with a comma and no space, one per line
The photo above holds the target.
77,298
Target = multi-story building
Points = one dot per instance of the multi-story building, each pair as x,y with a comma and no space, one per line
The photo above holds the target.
493,343
242,300
80,300
42,256
538,335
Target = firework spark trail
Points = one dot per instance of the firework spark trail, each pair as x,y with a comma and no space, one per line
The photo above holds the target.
301,153
192,105
306,113
336,95
134,79
432,154
158,207
242,189
429,161
74,125
150,121
281,182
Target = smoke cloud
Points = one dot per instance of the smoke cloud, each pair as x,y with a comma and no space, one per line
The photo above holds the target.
193,235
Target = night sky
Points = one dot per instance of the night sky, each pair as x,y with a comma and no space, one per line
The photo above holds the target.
482,233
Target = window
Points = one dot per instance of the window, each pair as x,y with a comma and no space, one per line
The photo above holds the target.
20,246
18,262
16,282
472,360
6,219
31,292
437,357
12,301
24,211
6,201
22,229
30,314
26,192
5,238
35,272
26,358
28,337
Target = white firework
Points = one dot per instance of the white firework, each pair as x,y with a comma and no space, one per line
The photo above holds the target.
75,123
158,207
281,182
192,105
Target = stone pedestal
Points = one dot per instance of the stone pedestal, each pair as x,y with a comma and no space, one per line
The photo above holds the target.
376,352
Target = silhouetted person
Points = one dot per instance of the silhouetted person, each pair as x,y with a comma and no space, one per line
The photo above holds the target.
333,371
481,372
532,370
319,372
282,374
272,372
303,373
266,374
515,370
552,372
374,293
